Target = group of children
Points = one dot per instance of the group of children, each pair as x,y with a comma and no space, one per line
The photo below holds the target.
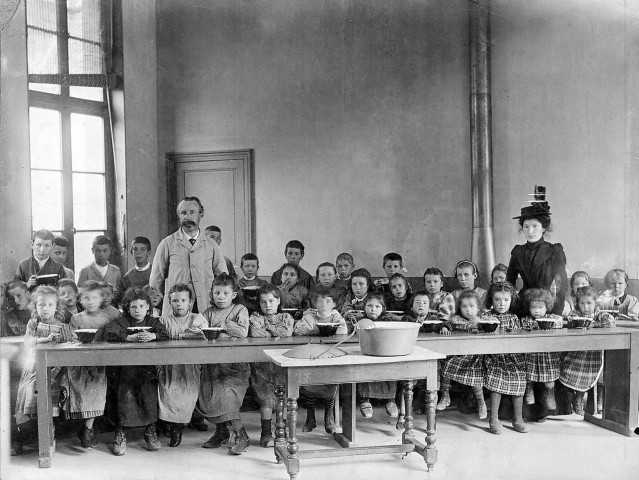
293,303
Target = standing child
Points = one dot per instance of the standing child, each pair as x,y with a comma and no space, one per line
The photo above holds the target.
101,270
88,385
223,385
326,276
179,385
250,283
392,264
313,395
215,234
39,263
578,280
498,273
467,275
269,322
60,252
15,310
140,274
294,253
580,370
465,369
441,301
616,298
135,387
360,286
292,293
68,293
345,265
505,374
399,298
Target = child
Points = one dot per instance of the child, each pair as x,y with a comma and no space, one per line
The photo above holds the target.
107,300
179,385
580,370
360,286
392,263
578,280
441,301
223,386
541,367
68,293
399,298
345,265
467,274
101,270
505,374
46,325
15,310
292,293
250,264
616,298
59,253
139,275
326,276
40,263
215,234
269,322
294,253
464,369
375,309
135,387
88,385
498,274
325,303
156,301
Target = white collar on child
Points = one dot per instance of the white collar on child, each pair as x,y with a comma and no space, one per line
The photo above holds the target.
41,263
144,268
250,279
103,270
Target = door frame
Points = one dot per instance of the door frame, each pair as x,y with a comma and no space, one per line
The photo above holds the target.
247,157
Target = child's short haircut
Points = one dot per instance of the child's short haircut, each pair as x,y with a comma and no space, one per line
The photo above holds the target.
393,257
67,282
586,292
249,256
267,289
133,294
580,274
379,296
325,264
434,271
345,256
500,267
614,273
43,235
93,286
464,295
293,266
539,295
321,292
500,287
102,240
395,276
16,284
143,240
44,291
213,228
223,280
294,244
181,287
61,241
419,293
362,273
105,285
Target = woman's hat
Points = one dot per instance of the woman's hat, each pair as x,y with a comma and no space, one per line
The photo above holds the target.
539,205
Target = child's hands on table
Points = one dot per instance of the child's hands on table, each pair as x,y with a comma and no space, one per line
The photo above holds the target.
145,336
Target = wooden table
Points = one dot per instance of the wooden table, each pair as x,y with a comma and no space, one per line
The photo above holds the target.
350,369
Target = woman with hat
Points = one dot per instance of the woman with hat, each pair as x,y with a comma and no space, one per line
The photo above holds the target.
539,263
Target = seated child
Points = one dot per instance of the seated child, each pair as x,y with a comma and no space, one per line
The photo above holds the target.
39,263
268,322
399,298
88,385
616,298
59,253
467,275
326,276
135,387
441,301
15,310
140,274
223,385
360,286
392,264
578,280
316,395
541,367
292,293
156,301
498,273
505,374
179,385
68,293
375,309
345,265
107,300
250,264
215,234
464,369
294,253
101,270
580,370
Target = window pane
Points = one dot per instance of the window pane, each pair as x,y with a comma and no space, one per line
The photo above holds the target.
45,87
42,52
88,93
87,143
82,256
46,200
89,202
44,138
42,14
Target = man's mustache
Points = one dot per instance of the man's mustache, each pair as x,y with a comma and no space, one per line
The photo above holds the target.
188,223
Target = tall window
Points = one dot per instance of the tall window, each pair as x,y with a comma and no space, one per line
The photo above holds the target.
68,45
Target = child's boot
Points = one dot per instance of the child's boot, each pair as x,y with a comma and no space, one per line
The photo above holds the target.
444,400
329,416
219,438
549,396
529,396
87,437
494,422
578,403
119,442
175,434
482,410
151,437
241,443
310,422
519,423
266,437
391,409
366,408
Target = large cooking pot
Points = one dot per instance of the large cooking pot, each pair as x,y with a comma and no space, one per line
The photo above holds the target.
388,339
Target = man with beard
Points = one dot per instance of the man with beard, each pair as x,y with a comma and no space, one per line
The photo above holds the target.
187,256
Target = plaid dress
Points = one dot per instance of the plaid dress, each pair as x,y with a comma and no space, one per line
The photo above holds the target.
506,373
543,366
464,369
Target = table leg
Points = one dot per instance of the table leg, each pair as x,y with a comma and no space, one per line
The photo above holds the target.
45,412
431,449
293,461
408,415
280,426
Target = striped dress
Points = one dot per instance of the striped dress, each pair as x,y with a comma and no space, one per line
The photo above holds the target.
506,373
542,366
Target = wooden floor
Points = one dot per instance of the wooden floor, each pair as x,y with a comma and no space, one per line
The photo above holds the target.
561,448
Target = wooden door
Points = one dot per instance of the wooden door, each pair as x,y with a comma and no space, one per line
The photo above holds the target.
223,181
